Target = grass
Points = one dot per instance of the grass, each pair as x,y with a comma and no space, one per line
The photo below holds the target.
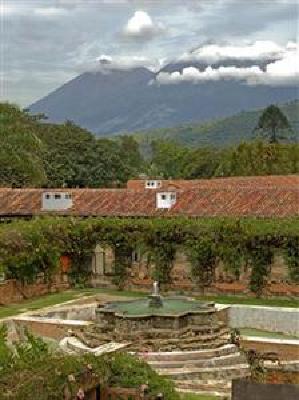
57,298
272,302
41,302
261,333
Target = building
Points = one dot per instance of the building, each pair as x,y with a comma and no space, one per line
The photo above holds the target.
258,197
263,197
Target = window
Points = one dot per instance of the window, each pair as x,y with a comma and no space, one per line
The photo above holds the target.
165,200
153,184
52,201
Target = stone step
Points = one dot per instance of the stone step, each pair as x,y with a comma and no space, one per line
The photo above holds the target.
199,345
204,385
230,359
190,355
166,347
221,395
185,340
222,372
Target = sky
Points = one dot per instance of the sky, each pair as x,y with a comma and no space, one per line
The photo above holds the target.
45,43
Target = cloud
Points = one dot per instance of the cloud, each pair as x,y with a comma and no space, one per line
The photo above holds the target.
142,26
259,50
283,71
5,9
21,9
106,62
192,74
49,11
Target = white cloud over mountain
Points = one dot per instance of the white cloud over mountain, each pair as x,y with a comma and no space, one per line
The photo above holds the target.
258,50
105,61
285,70
65,37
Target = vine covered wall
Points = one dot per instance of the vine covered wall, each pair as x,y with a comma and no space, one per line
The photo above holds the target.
28,248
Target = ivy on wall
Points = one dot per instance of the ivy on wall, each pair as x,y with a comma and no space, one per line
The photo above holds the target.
261,257
201,253
28,248
292,258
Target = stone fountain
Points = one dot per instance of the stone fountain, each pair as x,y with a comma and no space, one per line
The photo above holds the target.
181,338
156,322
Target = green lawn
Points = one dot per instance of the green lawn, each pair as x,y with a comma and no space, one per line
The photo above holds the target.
261,333
57,298
41,302
273,302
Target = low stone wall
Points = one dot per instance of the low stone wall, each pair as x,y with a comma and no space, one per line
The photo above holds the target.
49,328
274,319
82,312
12,291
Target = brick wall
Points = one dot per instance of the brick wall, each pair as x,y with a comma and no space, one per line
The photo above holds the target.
12,291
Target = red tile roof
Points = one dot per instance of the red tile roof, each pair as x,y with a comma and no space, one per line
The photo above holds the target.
235,181
272,196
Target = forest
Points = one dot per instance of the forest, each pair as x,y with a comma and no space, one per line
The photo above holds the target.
35,153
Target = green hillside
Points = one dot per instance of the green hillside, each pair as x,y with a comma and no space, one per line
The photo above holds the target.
35,153
221,132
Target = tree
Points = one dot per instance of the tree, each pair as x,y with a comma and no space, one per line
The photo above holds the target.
129,151
259,158
20,152
203,162
169,158
273,124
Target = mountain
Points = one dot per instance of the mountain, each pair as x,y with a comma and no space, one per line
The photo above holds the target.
220,132
112,101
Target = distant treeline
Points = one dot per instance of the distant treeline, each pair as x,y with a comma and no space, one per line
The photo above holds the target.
34,153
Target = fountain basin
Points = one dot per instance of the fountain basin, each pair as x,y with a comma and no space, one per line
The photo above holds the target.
174,306
132,317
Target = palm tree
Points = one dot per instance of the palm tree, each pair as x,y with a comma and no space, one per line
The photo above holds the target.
273,124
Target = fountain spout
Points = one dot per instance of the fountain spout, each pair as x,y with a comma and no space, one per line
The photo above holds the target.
155,288
155,300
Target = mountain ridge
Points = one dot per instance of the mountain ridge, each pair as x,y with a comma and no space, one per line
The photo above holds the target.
109,102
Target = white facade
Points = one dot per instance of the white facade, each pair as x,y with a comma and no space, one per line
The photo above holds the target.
56,201
165,199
